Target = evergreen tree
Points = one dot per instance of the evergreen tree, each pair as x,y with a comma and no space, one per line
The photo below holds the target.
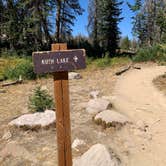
66,12
109,17
93,26
37,27
26,24
149,21
92,21
161,19
104,16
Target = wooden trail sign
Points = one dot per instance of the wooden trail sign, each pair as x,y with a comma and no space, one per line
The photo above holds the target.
59,61
54,61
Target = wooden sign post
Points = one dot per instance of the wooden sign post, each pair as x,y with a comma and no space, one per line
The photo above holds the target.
59,61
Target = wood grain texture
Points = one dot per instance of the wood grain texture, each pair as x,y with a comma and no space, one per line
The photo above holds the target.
61,88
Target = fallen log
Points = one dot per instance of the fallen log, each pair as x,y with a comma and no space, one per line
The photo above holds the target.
123,70
12,83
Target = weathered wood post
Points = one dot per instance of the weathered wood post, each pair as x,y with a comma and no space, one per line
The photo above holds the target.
61,89
58,62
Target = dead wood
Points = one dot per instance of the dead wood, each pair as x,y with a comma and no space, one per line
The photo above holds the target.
12,83
136,67
123,70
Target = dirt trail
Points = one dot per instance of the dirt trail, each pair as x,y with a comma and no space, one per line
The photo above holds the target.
137,97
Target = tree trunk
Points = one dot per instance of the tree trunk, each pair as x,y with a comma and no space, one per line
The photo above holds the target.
58,15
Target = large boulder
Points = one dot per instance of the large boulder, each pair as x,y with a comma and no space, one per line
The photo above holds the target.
35,120
97,155
97,105
110,118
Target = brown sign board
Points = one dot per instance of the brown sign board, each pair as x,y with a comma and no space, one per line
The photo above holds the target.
56,61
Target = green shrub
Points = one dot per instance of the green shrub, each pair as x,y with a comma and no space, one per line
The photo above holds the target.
40,100
155,54
106,61
89,60
23,68
120,60
102,62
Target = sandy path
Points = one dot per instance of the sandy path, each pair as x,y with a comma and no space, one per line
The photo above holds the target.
137,97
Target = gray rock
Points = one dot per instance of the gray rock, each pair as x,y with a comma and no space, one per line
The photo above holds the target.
74,75
76,143
110,118
35,120
94,94
97,155
95,106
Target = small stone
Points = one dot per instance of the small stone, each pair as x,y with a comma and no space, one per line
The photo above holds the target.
97,155
45,149
7,135
74,75
77,142
141,125
2,91
94,94
110,118
95,106
35,120
44,87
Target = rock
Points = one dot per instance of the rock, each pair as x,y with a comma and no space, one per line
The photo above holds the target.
2,91
74,75
44,87
35,120
110,98
77,142
110,118
95,106
141,125
48,163
97,155
7,135
94,94
15,150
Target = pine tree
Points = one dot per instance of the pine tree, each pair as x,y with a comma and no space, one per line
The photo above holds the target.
104,16
149,21
109,17
92,21
161,19
36,23
93,26
66,12
26,24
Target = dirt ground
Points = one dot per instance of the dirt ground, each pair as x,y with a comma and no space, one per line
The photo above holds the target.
130,143
160,83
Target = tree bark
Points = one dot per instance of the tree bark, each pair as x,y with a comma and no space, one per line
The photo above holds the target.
58,17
